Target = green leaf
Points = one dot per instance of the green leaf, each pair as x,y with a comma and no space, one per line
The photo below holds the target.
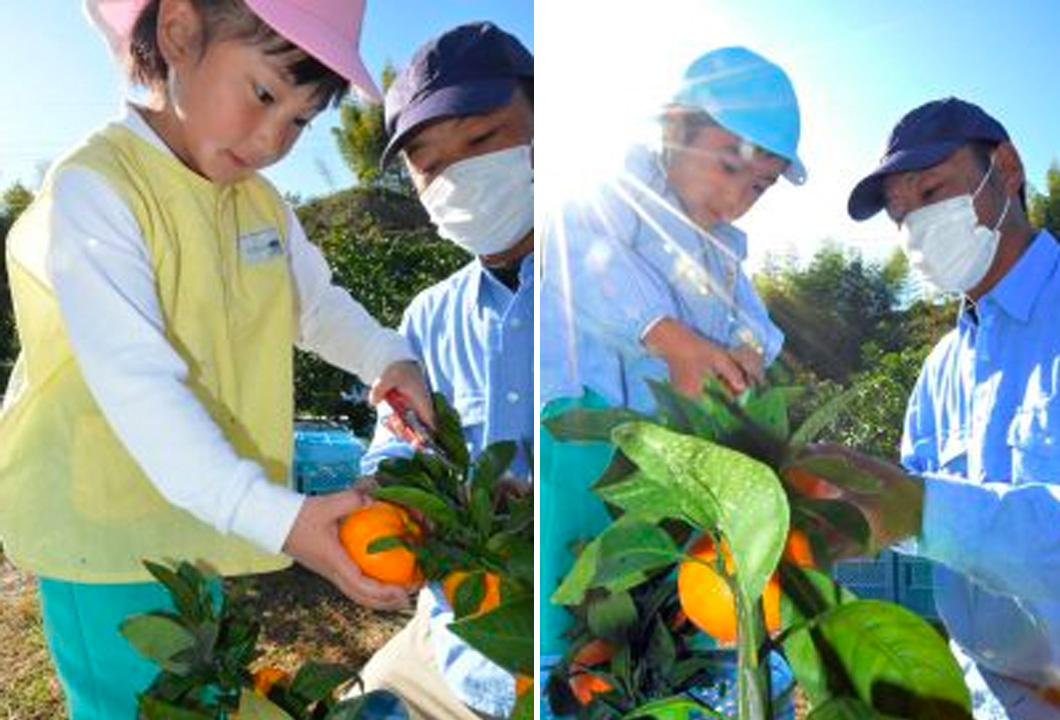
383,544
433,507
316,681
629,551
524,707
662,652
821,418
491,465
355,708
612,616
450,432
579,579
505,634
158,637
840,473
406,472
769,411
255,707
808,594
672,708
182,590
469,594
844,708
688,416
744,495
897,662
588,424
153,709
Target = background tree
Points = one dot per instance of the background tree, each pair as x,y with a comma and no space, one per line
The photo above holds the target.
383,249
12,204
361,138
1044,209
830,309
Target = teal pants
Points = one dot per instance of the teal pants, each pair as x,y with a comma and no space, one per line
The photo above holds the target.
569,511
99,671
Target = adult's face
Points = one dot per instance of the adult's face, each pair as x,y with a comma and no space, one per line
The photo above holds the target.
718,176
438,145
959,174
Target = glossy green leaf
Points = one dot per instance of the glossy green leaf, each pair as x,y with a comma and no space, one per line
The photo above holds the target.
433,507
158,637
612,616
316,681
897,662
589,424
505,634
673,708
255,707
744,496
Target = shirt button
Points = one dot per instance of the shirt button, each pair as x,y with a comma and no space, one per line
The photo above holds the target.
513,397
517,323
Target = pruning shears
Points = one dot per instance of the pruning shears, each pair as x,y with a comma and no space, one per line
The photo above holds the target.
404,423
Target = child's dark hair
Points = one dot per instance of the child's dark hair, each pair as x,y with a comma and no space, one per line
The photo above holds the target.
229,20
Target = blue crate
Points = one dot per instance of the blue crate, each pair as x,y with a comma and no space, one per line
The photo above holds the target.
870,579
916,587
327,457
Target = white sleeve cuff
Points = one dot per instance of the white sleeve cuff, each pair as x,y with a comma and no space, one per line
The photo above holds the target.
266,512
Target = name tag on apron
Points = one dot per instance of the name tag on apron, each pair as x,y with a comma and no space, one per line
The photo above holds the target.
262,246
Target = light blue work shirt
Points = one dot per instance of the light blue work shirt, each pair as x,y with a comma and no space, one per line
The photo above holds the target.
983,429
621,260
475,339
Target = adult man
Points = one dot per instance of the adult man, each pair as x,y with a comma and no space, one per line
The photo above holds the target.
981,431
461,117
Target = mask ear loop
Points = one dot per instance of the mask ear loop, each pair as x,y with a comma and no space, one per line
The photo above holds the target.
982,183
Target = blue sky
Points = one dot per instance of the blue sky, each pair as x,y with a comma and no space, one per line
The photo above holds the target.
58,83
857,65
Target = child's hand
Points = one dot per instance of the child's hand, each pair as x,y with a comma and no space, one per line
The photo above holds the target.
314,542
691,359
407,378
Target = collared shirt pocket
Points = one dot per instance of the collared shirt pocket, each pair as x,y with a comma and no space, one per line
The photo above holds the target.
1034,437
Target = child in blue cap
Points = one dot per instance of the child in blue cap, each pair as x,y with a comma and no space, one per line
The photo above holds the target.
645,282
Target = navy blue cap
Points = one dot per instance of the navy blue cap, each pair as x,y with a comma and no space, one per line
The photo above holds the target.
924,137
468,70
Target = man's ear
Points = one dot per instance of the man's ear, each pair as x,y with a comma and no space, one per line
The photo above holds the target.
1010,167
179,31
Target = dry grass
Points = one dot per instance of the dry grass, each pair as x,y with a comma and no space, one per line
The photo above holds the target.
302,618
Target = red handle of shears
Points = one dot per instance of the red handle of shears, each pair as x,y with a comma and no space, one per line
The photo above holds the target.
404,422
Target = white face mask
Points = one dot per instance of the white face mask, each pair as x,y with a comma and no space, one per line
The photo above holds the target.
946,243
484,204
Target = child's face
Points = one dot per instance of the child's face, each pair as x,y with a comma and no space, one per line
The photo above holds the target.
234,110
716,179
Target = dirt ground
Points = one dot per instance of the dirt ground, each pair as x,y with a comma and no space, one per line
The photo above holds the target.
302,618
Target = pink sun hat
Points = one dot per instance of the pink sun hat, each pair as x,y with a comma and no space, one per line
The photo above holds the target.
329,30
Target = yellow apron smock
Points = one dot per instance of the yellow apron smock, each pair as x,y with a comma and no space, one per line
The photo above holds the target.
74,505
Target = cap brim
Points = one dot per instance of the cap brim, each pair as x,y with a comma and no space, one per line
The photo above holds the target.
455,100
795,172
867,198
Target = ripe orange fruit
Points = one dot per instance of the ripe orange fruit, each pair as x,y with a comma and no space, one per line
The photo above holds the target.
797,549
491,598
585,685
707,599
381,520
523,685
266,677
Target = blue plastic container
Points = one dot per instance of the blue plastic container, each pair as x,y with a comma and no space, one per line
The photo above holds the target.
327,457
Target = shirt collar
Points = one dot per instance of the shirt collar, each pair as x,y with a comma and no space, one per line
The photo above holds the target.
1018,290
526,276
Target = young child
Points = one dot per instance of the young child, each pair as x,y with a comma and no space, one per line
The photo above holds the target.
645,281
160,284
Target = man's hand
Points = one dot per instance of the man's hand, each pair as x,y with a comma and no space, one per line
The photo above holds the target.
314,542
692,359
891,500
407,378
